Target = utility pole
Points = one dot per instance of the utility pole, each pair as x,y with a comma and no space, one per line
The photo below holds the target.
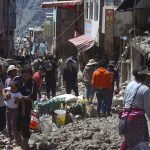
101,39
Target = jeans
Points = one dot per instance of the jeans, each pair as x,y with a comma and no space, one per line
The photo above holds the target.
60,76
51,87
89,91
69,88
11,119
110,101
102,100
2,118
23,124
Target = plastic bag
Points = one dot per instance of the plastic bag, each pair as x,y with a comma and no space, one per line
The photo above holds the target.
34,122
46,124
68,98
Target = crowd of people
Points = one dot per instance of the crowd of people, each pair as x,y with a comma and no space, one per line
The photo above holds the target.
21,86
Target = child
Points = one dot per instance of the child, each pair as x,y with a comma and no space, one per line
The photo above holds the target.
12,109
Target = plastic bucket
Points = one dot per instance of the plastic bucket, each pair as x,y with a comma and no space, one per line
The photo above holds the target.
60,117
33,123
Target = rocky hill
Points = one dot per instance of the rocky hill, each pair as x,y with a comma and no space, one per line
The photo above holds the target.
29,14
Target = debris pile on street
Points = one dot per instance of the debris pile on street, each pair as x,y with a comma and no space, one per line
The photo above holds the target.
83,132
90,133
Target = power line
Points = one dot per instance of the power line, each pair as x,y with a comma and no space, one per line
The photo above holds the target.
67,27
21,11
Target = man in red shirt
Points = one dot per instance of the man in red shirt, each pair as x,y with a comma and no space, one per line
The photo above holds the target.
102,83
38,78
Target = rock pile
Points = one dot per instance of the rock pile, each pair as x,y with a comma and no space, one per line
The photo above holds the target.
118,99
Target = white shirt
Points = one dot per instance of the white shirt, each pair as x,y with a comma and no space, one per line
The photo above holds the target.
61,65
11,102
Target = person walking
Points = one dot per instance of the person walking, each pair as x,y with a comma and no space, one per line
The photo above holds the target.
136,105
38,78
102,83
2,104
61,65
12,110
115,83
50,76
28,88
70,78
87,78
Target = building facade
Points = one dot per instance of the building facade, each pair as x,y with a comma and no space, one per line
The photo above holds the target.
99,25
135,27
7,27
69,24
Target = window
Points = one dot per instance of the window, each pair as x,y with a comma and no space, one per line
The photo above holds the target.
96,13
86,8
113,2
116,2
91,10
109,2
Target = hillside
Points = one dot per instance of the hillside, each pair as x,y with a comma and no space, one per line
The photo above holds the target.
32,14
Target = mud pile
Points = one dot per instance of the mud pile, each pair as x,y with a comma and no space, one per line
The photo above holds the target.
88,134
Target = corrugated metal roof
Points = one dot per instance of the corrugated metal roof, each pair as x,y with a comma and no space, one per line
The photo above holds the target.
82,43
60,3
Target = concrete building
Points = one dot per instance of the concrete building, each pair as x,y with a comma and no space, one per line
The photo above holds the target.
7,27
135,26
92,27
99,28
108,11
87,43
67,25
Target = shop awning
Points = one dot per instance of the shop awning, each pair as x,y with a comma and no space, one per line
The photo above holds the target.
61,4
82,43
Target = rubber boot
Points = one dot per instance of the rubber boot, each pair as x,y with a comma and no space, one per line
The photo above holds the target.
25,145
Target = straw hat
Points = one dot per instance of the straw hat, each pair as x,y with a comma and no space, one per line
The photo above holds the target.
91,62
69,61
11,67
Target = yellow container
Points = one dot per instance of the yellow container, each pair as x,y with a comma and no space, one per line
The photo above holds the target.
60,117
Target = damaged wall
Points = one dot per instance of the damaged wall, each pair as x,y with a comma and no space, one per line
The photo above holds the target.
123,22
142,18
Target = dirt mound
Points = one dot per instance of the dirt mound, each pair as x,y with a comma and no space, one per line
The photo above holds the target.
87,134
